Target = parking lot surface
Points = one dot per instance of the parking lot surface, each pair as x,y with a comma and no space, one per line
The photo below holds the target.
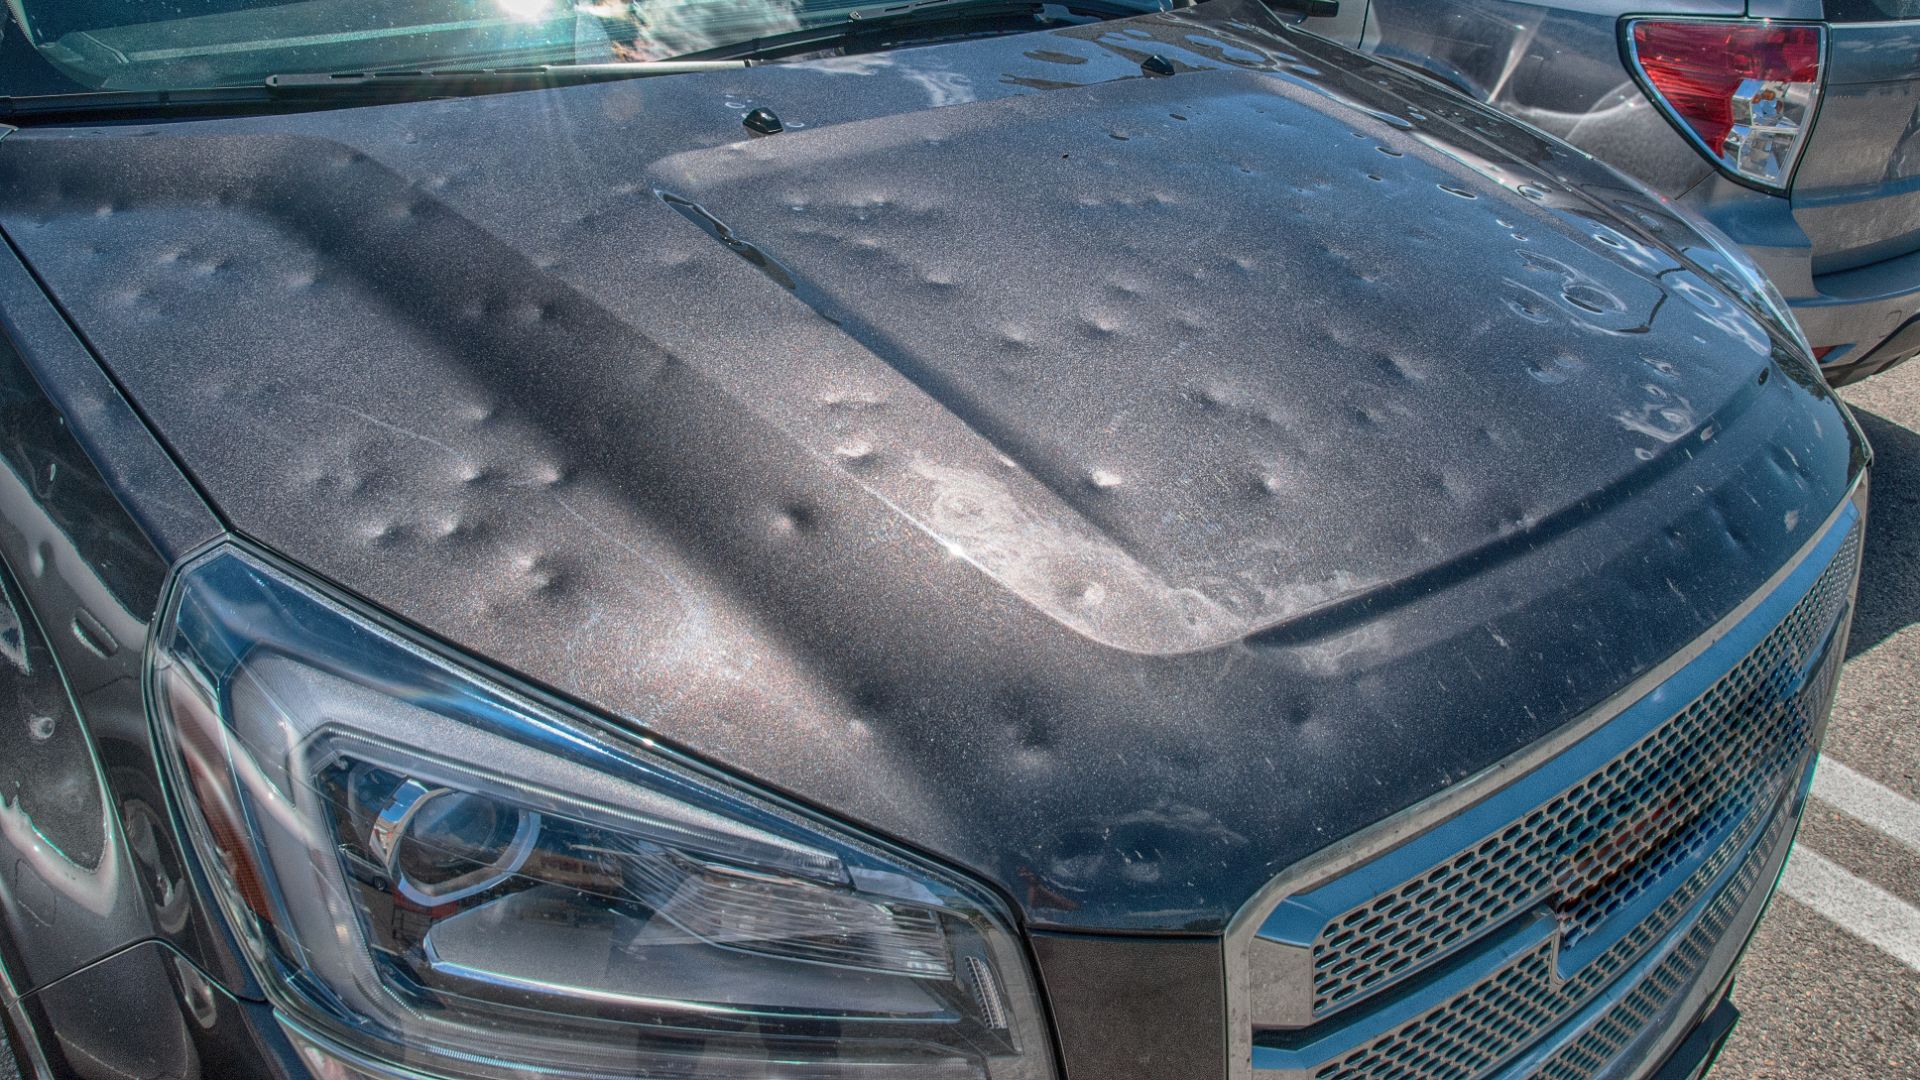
1831,988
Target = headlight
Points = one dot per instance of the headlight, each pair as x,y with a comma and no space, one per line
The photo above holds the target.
433,871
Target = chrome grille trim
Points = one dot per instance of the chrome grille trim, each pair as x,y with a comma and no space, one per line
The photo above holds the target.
1618,831
1493,972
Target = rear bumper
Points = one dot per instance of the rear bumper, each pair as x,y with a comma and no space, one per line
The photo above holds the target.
1869,316
1866,318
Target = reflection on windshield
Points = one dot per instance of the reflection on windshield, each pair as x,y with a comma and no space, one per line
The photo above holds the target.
174,44
162,44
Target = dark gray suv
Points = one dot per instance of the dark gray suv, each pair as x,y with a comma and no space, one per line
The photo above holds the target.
1792,125
983,540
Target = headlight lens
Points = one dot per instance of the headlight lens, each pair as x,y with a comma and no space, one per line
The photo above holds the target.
433,870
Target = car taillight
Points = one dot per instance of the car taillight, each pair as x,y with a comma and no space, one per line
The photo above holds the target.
1745,90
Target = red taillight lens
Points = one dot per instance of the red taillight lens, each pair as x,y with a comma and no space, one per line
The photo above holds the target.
1746,89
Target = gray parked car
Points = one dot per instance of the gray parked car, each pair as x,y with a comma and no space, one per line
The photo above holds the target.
1790,124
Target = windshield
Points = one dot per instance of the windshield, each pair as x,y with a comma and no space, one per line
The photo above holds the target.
63,46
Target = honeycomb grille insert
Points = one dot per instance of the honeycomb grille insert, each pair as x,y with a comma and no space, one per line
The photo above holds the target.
1472,1034
1597,1047
1694,782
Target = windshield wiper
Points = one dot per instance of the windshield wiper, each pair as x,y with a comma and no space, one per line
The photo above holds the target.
463,81
319,90
885,17
86,105
306,90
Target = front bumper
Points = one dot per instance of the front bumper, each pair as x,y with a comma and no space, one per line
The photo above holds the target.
187,1025
1702,1045
1641,999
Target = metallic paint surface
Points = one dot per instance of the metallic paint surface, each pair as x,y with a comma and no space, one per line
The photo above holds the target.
1556,66
147,1012
1857,192
1118,487
87,857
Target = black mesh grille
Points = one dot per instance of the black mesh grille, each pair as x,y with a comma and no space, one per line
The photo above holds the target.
1600,844
1694,790
1473,1033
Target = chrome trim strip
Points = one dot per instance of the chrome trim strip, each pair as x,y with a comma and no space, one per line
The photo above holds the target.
1340,856
1510,946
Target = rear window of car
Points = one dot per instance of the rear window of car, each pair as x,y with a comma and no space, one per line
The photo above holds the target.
1872,10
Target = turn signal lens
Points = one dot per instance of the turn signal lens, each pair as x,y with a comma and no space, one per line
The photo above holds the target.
1743,90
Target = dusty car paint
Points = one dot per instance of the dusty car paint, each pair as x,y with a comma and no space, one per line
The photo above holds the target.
1081,482
91,863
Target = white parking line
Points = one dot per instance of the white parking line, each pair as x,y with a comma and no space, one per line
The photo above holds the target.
1868,802
1861,908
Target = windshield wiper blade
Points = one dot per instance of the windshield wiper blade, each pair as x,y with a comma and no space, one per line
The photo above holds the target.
436,82
862,21
316,89
124,104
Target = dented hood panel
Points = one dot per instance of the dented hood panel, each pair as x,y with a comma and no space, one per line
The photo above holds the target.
1118,486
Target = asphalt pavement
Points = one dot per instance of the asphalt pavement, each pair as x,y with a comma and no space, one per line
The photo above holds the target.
1831,987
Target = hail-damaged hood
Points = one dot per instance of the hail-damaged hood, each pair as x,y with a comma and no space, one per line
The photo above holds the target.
1119,486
